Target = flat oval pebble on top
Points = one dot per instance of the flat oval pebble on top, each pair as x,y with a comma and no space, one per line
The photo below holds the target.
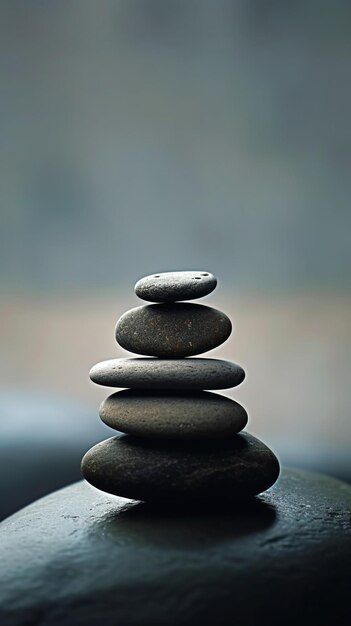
153,469
173,286
172,330
172,414
144,373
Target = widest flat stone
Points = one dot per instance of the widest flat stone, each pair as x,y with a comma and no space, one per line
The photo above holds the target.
153,470
172,330
81,557
151,373
170,414
173,286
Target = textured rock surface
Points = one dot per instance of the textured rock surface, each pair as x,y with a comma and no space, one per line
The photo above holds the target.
172,330
149,469
173,286
142,373
81,557
167,414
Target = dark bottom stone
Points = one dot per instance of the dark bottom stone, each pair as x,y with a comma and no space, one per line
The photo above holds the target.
79,557
239,466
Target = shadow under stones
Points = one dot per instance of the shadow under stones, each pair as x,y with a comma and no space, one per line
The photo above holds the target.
189,526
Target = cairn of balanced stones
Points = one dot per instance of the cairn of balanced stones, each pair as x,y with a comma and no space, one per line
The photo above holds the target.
180,442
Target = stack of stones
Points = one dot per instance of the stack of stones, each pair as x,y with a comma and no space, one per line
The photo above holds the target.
181,443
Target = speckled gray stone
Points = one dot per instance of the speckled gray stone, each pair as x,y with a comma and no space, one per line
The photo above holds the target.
80,557
172,330
151,469
144,373
172,414
173,286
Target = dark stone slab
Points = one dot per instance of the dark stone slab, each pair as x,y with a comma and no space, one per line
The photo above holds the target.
172,330
79,557
173,286
150,469
173,414
144,373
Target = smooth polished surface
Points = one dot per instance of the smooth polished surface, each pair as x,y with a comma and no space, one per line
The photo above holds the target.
173,286
152,373
184,470
172,330
81,557
173,414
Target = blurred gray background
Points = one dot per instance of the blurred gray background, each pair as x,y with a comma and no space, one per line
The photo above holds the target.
140,136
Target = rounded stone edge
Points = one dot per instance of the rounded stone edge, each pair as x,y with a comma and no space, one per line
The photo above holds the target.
150,384
139,293
90,470
144,351
215,432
